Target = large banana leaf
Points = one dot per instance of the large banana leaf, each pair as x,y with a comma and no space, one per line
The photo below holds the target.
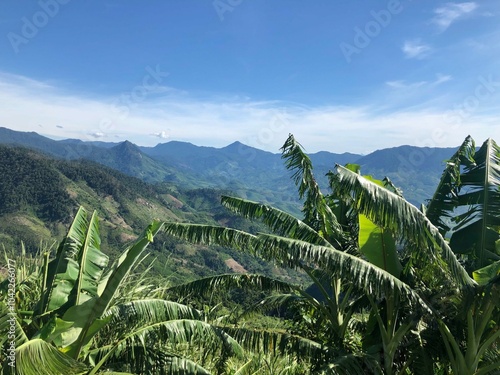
87,317
79,263
477,229
440,208
221,283
272,341
92,262
278,221
37,357
317,213
63,269
167,333
377,243
360,273
378,246
297,254
408,223
8,319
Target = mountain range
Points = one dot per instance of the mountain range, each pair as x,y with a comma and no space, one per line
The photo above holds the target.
246,171
43,181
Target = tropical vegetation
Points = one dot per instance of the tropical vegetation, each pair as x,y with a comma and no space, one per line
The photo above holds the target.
392,288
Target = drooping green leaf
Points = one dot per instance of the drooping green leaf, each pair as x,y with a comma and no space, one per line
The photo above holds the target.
440,208
222,283
37,357
278,221
317,213
364,275
477,230
484,275
408,223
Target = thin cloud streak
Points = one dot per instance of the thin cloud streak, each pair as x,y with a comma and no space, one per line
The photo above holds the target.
415,49
24,105
451,12
401,84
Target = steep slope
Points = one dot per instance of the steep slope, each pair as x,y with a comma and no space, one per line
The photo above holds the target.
35,188
39,196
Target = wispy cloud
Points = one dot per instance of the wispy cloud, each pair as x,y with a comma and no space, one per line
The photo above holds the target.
415,49
451,12
220,121
162,135
402,84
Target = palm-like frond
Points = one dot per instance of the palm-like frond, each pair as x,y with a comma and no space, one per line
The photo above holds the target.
37,357
476,232
296,254
211,235
140,312
364,275
316,211
445,198
168,334
221,283
273,341
278,221
408,223
150,361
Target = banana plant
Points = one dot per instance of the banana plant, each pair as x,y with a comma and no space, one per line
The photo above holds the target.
468,196
466,208
320,246
76,326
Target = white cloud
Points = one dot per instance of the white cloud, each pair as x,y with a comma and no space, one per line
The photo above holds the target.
218,122
451,12
415,49
162,135
401,84
441,78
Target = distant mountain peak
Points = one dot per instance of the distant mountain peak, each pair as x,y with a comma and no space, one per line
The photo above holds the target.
127,145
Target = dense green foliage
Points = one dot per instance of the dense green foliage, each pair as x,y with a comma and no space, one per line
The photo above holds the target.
387,286
391,289
29,181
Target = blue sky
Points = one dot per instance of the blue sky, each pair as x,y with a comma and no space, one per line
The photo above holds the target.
340,75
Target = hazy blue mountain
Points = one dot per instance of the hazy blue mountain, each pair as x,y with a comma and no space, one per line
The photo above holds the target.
93,143
247,171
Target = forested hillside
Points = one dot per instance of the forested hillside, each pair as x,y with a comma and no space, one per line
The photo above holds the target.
39,196
247,171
